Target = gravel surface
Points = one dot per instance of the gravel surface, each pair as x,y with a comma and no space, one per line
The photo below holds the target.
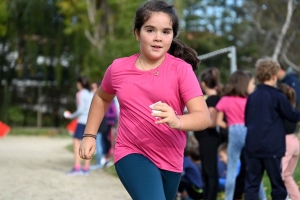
34,168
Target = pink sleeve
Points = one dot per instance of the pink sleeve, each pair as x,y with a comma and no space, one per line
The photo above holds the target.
221,104
189,86
106,84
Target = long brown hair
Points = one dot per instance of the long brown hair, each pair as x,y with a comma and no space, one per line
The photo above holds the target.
178,48
238,84
289,92
211,78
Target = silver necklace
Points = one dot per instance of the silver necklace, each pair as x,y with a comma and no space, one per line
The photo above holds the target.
156,72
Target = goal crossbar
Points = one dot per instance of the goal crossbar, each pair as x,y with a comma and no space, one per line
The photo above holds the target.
232,55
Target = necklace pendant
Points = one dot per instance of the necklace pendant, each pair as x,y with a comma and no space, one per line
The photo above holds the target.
156,73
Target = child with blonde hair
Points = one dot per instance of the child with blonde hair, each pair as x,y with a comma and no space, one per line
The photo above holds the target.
266,110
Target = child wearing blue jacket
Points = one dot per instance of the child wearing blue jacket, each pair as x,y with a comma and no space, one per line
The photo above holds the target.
266,110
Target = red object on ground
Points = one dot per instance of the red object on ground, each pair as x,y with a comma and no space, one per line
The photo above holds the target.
71,127
4,129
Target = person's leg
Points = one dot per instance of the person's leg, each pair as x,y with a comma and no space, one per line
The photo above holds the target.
208,149
170,183
254,174
202,141
106,140
289,163
99,149
77,137
274,171
99,153
141,178
76,145
237,135
241,178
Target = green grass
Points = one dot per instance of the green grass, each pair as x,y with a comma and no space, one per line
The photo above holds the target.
267,184
33,131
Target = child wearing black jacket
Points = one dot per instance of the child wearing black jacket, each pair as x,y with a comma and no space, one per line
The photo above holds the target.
266,110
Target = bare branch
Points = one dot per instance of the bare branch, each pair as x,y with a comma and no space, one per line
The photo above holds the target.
288,42
90,5
290,63
283,30
258,26
92,40
284,51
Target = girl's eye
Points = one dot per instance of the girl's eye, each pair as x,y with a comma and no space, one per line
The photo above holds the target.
149,30
166,32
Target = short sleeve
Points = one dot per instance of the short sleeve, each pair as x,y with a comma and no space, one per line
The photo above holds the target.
222,104
106,84
188,83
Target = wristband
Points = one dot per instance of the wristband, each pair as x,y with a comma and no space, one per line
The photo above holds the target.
179,119
90,135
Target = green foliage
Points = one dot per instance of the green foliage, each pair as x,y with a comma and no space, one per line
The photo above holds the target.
21,131
15,116
3,17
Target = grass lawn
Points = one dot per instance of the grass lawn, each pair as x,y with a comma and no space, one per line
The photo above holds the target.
33,131
267,184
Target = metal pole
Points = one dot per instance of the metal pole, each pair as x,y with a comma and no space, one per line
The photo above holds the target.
233,65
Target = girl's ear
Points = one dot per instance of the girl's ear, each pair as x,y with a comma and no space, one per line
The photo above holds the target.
137,35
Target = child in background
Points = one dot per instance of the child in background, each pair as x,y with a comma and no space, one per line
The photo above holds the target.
290,160
266,110
232,105
222,152
83,102
240,180
190,186
209,139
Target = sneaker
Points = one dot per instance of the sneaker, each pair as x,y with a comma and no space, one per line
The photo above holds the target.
85,172
96,167
109,163
75,172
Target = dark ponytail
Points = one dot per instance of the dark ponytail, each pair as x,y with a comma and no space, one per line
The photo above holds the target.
211,78
178,48
84,81
288,92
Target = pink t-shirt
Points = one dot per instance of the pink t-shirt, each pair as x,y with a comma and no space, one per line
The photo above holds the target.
136,90
234,109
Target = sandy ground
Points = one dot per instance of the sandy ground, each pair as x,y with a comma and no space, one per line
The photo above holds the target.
34,168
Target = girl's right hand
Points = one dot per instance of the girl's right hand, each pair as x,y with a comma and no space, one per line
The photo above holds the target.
87,148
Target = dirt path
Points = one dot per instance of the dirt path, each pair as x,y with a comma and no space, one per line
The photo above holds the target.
33,168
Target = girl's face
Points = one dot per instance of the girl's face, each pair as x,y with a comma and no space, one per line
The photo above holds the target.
155,36
79,86
251,86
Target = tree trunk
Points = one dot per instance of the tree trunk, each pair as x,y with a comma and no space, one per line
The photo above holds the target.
283,30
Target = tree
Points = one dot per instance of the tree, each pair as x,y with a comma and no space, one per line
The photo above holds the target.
107,25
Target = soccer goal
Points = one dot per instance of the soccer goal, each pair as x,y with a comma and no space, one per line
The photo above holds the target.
231,54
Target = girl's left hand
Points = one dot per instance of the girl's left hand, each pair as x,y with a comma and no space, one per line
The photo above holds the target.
167,115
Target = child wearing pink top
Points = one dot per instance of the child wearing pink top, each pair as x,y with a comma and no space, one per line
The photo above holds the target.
151,139
233,105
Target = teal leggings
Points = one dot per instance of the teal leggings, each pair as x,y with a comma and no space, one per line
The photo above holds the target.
144,181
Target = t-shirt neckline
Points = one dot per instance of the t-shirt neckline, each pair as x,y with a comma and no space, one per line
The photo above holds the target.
136,56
